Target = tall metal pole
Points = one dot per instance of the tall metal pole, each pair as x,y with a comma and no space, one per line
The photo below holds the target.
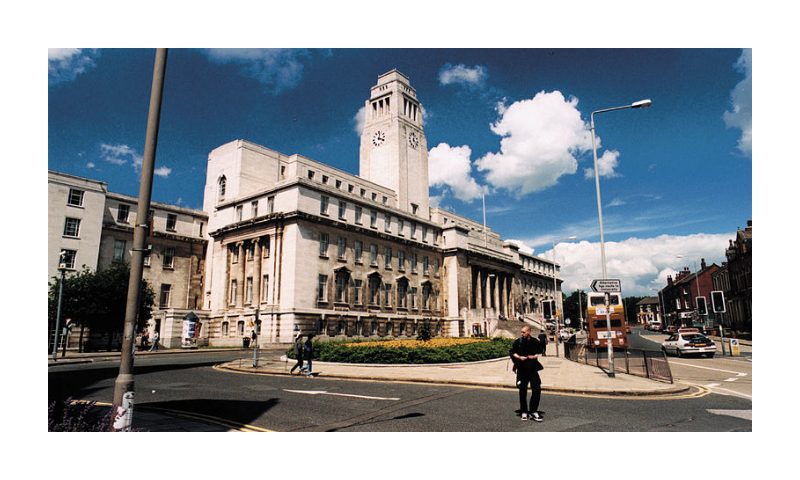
123,386
639,104
58,315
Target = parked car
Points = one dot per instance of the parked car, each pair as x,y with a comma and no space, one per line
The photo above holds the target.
689,341
671,329
564,334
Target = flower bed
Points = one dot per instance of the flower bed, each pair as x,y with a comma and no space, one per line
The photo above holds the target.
435,350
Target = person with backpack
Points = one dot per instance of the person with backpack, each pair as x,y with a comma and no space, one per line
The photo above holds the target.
298,354
525,353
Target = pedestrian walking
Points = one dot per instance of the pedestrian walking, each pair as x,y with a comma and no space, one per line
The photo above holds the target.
543,342
525,355
298,354
308,354
144,340
155,341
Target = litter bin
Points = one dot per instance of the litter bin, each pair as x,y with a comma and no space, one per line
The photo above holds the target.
245,342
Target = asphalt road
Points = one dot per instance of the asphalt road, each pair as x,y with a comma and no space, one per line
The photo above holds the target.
724,375
190,383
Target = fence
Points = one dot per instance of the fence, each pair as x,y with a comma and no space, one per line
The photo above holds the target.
642,363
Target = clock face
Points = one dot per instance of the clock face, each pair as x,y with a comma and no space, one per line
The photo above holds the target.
413,140
378,138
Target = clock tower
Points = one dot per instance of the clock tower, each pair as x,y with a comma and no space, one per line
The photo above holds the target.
394,152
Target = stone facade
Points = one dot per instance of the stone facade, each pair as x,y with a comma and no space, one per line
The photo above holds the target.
296,246
174,263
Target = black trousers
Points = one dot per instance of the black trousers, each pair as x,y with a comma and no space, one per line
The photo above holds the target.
298,364
536,392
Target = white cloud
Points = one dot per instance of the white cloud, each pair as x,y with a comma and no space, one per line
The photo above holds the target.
472,77
277,69
451,167
741,114
65,64
541,137
122,154
641,264
606,165
119,154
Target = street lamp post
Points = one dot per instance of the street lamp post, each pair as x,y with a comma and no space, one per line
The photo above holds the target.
639,104
555,288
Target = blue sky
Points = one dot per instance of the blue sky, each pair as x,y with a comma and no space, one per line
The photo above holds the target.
510,124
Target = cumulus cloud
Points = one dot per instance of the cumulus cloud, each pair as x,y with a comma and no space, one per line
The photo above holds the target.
450,167
65,64
741,114
640,264
606,165
277,69
471,77
541,138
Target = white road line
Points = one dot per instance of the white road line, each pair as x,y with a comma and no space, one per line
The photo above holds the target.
732,379
744,414
739,374
322,392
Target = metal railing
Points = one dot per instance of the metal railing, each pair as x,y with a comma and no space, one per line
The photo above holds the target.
642,363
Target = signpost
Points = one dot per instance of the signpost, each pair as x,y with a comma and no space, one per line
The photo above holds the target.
608,285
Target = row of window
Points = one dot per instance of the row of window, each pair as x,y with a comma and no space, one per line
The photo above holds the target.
248,290
388,220
75,199
379,293
388,255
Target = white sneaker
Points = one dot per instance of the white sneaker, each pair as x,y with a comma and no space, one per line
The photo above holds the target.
536,417
524,416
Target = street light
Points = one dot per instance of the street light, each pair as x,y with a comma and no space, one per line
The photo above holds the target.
555,287
639,104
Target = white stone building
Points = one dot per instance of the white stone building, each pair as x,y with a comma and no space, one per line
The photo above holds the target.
94,228
298,246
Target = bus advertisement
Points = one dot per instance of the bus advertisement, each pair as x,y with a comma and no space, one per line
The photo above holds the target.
596,326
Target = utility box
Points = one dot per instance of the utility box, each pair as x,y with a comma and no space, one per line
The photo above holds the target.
734,347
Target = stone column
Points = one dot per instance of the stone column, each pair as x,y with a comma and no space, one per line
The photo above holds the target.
257,271
240,275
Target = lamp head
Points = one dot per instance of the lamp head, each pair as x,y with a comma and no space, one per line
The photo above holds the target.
641,104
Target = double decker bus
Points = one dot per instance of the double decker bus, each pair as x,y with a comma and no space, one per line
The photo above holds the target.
597,331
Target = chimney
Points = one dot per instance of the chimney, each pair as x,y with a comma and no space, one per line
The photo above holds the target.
702,264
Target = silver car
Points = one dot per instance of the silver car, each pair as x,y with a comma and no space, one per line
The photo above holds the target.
685,343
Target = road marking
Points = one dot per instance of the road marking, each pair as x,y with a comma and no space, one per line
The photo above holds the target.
739,374
322,392
717,389
712,385
744,414
732,379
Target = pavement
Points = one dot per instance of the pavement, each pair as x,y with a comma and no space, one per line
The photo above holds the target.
559,376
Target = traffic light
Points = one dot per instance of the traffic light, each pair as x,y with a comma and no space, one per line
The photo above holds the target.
718,301
547,309
702,308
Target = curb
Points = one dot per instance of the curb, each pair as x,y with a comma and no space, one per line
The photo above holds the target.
622,393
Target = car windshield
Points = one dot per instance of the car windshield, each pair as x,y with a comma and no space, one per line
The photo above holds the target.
695,338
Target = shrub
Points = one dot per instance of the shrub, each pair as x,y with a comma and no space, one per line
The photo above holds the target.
439,350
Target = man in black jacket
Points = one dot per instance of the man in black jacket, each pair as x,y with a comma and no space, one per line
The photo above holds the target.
525,354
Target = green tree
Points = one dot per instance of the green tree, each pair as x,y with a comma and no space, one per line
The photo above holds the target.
97,300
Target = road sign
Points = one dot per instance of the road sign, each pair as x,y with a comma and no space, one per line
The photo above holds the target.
607,285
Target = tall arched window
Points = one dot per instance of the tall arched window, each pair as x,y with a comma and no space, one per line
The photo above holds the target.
221,188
